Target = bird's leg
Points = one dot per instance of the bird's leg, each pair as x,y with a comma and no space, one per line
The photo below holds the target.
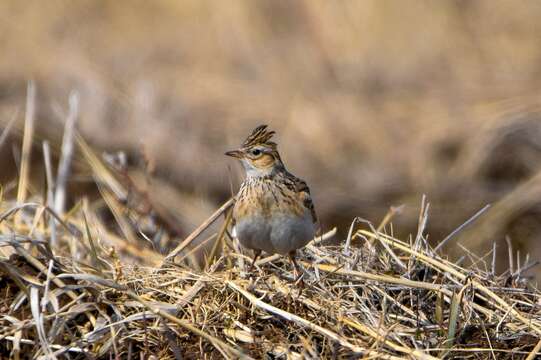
256,255
297,273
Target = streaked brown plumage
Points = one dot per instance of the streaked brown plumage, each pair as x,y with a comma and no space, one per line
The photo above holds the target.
273,210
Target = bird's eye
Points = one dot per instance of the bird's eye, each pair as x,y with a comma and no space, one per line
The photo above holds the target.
256,152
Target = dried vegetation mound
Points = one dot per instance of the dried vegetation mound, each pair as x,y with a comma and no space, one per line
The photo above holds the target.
374,296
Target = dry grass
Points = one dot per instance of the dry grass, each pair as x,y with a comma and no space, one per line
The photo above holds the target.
374,102
398,301
372,296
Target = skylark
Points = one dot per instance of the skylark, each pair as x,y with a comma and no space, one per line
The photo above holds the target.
273,211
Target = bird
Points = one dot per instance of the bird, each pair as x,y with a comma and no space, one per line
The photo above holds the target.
273,210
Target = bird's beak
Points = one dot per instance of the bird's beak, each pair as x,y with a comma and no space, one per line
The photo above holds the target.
234,153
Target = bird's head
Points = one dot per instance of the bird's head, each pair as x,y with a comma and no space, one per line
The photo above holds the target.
258,155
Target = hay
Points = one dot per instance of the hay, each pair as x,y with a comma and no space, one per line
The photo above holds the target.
99,290
393,301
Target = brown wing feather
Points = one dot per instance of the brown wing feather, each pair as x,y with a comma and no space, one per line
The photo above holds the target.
302,189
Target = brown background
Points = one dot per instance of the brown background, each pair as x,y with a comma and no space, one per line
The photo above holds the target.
375,102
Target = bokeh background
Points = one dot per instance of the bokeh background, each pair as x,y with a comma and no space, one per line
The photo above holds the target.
374,102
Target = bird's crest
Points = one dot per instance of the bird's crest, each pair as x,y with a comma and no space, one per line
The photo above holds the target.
260,136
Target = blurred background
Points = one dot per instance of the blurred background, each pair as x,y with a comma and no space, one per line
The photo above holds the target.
375,103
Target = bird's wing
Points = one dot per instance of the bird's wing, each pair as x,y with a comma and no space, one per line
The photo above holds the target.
301,188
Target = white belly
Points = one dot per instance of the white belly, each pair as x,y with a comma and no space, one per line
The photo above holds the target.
276,234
